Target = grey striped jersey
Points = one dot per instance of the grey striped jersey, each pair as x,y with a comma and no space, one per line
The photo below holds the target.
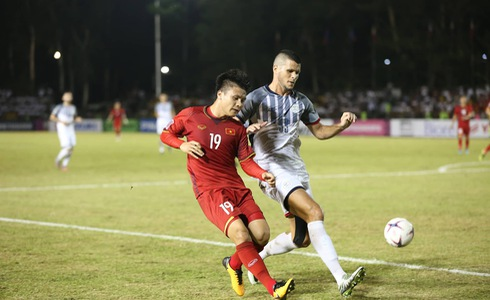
65,113
283,115
164,110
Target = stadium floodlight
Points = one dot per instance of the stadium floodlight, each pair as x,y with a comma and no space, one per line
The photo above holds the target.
57,55
165,70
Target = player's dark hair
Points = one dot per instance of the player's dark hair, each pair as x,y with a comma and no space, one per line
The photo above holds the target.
291,55
233,77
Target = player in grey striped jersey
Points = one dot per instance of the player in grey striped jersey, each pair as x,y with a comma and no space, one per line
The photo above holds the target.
275,112
65,116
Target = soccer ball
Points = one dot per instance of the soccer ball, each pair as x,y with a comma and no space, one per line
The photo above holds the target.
399,232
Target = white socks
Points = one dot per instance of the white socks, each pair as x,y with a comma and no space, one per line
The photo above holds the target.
281,244
320,241
324,247
64,156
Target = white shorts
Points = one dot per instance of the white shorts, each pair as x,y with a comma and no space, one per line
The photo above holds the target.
66,135
286,182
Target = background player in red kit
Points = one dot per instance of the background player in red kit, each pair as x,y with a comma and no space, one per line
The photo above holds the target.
463,113
117,116
214,139
485,150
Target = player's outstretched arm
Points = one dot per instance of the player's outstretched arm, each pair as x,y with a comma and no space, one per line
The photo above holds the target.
323,132
453,119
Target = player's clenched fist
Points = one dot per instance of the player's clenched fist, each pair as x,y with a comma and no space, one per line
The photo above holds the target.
347,119
192,148
269,178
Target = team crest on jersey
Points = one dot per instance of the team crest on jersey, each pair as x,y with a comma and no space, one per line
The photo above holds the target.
295,108
201,126
230,131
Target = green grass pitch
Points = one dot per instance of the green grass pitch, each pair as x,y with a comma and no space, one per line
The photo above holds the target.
123,223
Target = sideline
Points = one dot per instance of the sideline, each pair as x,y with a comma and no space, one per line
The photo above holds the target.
213,243
467,167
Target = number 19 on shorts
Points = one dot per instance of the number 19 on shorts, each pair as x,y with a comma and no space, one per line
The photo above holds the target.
227,207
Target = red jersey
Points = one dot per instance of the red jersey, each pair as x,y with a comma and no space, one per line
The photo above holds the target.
461,112
117,115
221,141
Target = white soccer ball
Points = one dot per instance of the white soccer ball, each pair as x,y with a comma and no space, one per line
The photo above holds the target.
399,232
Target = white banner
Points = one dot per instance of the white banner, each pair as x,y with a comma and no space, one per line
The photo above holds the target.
435,128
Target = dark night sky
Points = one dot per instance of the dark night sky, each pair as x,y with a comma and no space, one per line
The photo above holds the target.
333,37
132,42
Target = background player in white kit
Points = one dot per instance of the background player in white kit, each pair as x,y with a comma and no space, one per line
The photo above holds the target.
164,112
276,111
65,116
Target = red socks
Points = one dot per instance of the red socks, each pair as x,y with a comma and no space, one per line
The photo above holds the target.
247,254
486,149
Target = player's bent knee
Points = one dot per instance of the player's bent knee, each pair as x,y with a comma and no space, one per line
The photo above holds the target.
315,213
262,238
260,232
239,235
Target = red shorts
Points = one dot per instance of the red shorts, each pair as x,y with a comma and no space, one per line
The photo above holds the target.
117,126
224,206
463,130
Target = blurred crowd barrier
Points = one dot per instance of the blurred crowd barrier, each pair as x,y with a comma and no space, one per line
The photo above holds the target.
385,112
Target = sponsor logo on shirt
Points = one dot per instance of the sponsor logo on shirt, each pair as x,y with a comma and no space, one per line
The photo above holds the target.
201,126
251,263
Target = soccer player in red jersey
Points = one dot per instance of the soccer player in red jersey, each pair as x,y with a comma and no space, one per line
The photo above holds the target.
463,113
213,140
117,116
485,150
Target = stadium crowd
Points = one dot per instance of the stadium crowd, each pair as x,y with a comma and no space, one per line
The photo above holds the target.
390,102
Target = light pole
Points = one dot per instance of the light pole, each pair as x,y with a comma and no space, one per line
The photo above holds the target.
387,63
61,73
158,51
485,61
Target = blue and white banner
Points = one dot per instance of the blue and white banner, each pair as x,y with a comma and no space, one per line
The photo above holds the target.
148,125
87,125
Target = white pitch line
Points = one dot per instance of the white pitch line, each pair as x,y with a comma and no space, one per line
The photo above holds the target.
462,166
115,231
90,186
446,169
220,244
